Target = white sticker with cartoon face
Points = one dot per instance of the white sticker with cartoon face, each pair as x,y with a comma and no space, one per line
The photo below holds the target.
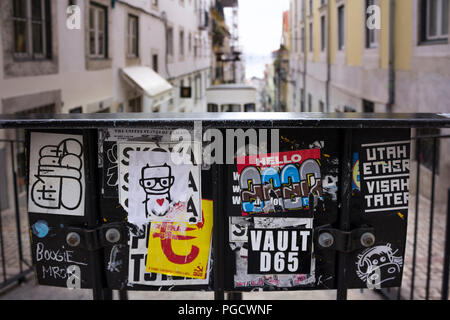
160,190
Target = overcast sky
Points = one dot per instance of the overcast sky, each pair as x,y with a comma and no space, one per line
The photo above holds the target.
260,23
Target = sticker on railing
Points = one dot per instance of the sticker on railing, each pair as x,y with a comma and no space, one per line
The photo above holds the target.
153,186
179,248
272,252
384,175
279,183
161,190
279,251
138,255
379,261
56,183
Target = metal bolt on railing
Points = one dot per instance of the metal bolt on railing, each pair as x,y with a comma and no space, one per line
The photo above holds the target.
112,235
367,239
326,240
73,239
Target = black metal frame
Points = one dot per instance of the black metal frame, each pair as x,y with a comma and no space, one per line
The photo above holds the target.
346,121
391,294
20,276
228,120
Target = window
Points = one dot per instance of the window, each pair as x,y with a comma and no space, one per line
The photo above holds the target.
249,107
212,107
97,31
426,148
302,100
155,62
303,10
303,39
309,102
322,33
371,34
321,106
31,21
195,46
135,104
311,37
368,106
190,42
349,109
310,7
434,20
341,27
170,41
231,108
296,41
181,43
133,36
198,86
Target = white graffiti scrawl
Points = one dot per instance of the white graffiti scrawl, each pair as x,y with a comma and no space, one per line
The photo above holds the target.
56,174
378,265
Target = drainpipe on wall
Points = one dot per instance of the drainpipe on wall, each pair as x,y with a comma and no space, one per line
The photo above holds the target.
304,56
166,37
391,75
327,85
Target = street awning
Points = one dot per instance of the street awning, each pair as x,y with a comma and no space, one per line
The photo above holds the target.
147,80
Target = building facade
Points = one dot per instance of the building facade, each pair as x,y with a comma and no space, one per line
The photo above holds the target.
373,56
47,63
227,59
73,56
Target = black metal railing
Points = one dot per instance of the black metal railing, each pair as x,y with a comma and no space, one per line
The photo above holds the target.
428,243
422,217
15,253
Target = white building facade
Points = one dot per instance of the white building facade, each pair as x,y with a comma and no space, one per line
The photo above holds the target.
92,56
51,62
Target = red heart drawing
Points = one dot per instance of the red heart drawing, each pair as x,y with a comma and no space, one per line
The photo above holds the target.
160,201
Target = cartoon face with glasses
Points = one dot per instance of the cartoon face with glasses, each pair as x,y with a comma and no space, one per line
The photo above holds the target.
156,182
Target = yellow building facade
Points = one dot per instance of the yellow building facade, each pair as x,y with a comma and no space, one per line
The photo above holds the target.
372,56
349,65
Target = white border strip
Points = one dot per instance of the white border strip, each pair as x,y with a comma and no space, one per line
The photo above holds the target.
386,209
385,177
385,143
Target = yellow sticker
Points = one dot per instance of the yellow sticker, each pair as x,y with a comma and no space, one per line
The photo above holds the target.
355,175
179,248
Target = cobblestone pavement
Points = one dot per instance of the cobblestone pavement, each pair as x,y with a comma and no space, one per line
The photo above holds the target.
437,257
11,243
29,290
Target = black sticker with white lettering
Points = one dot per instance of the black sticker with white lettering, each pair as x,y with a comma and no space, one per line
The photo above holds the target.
279,251
384,170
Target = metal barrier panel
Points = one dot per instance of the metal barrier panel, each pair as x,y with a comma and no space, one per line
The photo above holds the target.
428,233
291,203
15,256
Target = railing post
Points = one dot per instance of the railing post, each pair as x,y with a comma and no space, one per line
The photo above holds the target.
16,208
123,294
416,219
2,246
446,266
344,208
430,234
92,213
218,232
